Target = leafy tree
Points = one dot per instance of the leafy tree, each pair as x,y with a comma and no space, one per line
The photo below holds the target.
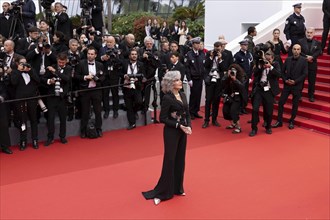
193,13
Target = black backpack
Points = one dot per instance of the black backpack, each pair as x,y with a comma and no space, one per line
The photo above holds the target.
91,129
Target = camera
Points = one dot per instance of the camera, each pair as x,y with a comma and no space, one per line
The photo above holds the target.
73,59
214,74
42,105
26,65
132,79
164,67
16,7
112,52
58,90
263,83
95,78
86,4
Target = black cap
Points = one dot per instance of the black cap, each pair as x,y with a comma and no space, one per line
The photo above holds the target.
245,41
196,40
298,5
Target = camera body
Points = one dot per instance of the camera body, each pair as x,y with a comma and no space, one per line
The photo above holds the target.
16,7
213,74
112,52
132,78
46,4
74,59
85,4
58,89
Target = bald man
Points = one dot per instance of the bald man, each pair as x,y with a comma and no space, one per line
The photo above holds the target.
294,73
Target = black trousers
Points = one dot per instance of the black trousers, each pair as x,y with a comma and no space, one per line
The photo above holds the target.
27,110
212,98
296,94
146,94
311,81
172,175
265,98
326,27
56,105
93,97
231,110
195,96
133,102
114,92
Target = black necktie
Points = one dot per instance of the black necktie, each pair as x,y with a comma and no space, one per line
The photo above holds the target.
90,63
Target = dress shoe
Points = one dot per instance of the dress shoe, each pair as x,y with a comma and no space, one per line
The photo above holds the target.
130,127
291,125
35,144
198,116
243,111
253,133
277,125
115,114
99,133
311,99
83,135
205,125
269,131
264,124
192,117
22,145
6,150
49,142
106,115
63,140
157,201
216,124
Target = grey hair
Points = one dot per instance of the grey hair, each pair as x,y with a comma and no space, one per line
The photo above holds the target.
148,38
168,80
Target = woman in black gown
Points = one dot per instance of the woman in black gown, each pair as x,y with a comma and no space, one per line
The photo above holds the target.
175,115
279,47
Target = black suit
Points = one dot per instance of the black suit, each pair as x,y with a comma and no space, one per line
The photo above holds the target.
26,109
88,97
4,108
133,97
295,69
311,48
57,103
175,141
23,46
326,24
97,20
175,34
264,92
63,23
5,25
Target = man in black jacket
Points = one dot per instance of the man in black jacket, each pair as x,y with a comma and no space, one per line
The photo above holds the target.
24,45
57,79
90,74
7,28
194,63
62,21
97,13
311,49
294,73
265,89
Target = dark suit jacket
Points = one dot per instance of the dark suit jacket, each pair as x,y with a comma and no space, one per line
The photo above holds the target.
174,34
97,20
179,67
35,59
272,77
298,74
82,70
63,24
23,90
65,77
314,51
22,46
5,26
169,105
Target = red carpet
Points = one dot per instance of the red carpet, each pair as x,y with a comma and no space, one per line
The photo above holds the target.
280,176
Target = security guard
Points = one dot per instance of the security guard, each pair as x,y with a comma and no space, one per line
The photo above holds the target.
294,27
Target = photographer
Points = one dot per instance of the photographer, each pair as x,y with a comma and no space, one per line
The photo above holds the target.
7,21
57,79
90,75
27,9
97,13
149,56
234,96
213,74
24,45
74,57
62,21
132,72
265,88
109,56
26,83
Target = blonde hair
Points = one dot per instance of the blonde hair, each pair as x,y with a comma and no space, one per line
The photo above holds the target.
168,80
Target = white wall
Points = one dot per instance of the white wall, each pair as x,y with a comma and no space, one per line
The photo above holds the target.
226,17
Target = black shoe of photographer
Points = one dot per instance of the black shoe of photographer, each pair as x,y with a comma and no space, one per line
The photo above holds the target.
22,145
253,133
6,150
198,116
311,99
49,142
63,140
130,127
99,133
291,125
70,118
205,125
277,125
264,124
192,116
243,111
115,114
35,144
137,116
216,123
106,115
269,131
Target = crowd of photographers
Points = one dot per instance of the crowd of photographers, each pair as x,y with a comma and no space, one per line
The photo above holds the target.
73,73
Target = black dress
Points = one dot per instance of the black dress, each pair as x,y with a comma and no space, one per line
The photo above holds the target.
4,132
175,141
278,50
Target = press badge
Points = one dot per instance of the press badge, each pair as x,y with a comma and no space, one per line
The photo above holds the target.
23,127
266,88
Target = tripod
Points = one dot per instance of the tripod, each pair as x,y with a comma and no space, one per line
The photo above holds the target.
86,16
17,18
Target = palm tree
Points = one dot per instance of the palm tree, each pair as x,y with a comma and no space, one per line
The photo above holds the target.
192,13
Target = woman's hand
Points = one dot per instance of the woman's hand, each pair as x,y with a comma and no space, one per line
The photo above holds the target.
186,130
